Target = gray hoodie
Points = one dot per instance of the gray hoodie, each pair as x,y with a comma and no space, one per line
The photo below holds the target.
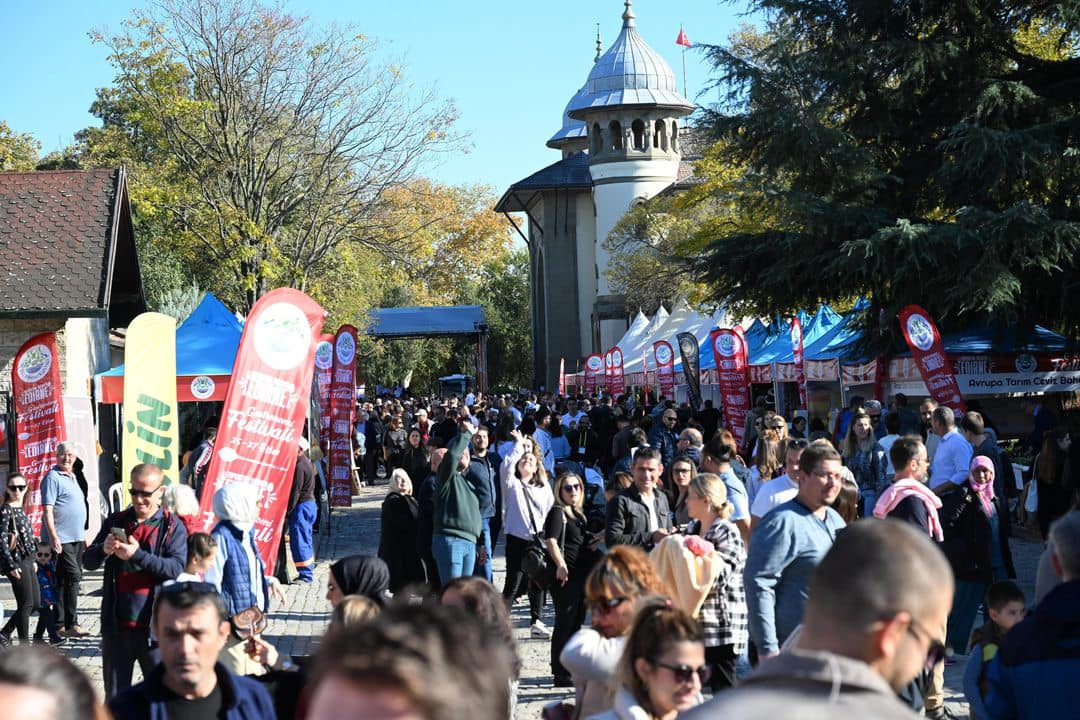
807,685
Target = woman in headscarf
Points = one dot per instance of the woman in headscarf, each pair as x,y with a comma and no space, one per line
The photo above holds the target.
397,540
238,571
364,575
975,546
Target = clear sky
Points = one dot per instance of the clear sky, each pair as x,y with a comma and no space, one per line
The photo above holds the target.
510,65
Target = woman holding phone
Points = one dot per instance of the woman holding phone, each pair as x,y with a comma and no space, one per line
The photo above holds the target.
17,548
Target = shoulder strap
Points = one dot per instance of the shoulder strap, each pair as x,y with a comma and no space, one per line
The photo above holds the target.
528,506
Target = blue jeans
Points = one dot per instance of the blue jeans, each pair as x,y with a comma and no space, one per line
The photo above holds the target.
483,569
454,556
301,522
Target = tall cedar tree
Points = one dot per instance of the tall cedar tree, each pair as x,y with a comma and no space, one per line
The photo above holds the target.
911,152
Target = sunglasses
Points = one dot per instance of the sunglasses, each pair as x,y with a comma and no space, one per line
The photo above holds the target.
685,673
16,488
573,486
144,493
605,606
44,556
937,652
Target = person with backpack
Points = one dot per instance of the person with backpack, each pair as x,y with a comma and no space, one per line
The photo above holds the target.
140,546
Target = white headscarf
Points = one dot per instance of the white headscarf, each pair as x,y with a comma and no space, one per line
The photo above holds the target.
237,503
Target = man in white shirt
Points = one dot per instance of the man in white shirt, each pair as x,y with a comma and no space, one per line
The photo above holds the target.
573,415
952,460
779,490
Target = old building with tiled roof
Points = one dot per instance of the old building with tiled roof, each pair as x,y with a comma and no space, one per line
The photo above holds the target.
68,264
623,140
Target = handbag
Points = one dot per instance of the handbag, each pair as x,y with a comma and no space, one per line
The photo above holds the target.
537,562
248,622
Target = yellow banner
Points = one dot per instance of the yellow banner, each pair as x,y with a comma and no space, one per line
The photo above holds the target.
151,421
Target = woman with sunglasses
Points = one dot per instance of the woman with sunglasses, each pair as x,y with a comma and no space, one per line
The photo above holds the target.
17,548
613,591
574,550
662,669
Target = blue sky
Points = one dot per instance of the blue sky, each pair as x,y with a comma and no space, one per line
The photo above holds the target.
510,66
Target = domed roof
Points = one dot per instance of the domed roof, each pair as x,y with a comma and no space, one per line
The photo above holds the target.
629,73
571,129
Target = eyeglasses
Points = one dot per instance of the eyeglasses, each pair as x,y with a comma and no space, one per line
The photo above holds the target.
16,488
936,652
571,487
605,606
144,493
44,556
672,418
685,673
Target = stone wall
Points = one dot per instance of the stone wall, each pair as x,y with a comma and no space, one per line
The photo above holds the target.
13,333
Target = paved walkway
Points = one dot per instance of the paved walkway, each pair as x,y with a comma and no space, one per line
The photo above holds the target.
296,627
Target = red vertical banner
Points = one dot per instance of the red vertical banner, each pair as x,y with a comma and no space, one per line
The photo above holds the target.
39,422
924,340
263,417
616,383
342,416
594,365
324,372
729,350
797,350
562,377
607,372
665,367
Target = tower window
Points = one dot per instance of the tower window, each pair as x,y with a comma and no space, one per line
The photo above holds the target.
660,136
596,144
638,130
674,136
616,135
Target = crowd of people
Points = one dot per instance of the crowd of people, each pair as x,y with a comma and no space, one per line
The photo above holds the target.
688,573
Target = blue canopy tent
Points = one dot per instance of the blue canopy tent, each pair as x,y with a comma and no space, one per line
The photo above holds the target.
206,345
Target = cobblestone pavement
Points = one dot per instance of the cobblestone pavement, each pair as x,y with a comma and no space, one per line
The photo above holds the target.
296,627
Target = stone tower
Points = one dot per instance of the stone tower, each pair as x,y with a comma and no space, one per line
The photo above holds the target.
630,107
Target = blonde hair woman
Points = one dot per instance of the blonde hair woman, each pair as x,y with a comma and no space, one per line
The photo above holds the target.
574,550
527,498
614,589
723,615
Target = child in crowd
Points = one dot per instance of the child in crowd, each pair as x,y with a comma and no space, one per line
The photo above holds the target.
1005,602
201,549
46,574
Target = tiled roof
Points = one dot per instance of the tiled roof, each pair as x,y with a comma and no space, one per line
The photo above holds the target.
59,238
571,173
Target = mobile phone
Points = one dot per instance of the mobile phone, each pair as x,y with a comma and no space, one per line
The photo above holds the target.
119,534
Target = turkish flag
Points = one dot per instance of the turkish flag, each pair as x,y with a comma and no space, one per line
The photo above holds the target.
682,39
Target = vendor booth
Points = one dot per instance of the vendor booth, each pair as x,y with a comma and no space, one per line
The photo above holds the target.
206,345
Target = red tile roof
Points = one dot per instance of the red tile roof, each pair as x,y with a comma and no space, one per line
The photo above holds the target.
59,237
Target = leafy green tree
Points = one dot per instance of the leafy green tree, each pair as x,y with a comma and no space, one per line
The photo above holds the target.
18,151
274,141
908,153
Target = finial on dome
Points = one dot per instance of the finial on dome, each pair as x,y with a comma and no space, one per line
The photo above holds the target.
599,44
628,14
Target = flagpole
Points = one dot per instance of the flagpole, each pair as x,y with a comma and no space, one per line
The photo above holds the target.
684,72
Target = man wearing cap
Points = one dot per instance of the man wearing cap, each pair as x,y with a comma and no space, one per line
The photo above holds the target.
302,511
